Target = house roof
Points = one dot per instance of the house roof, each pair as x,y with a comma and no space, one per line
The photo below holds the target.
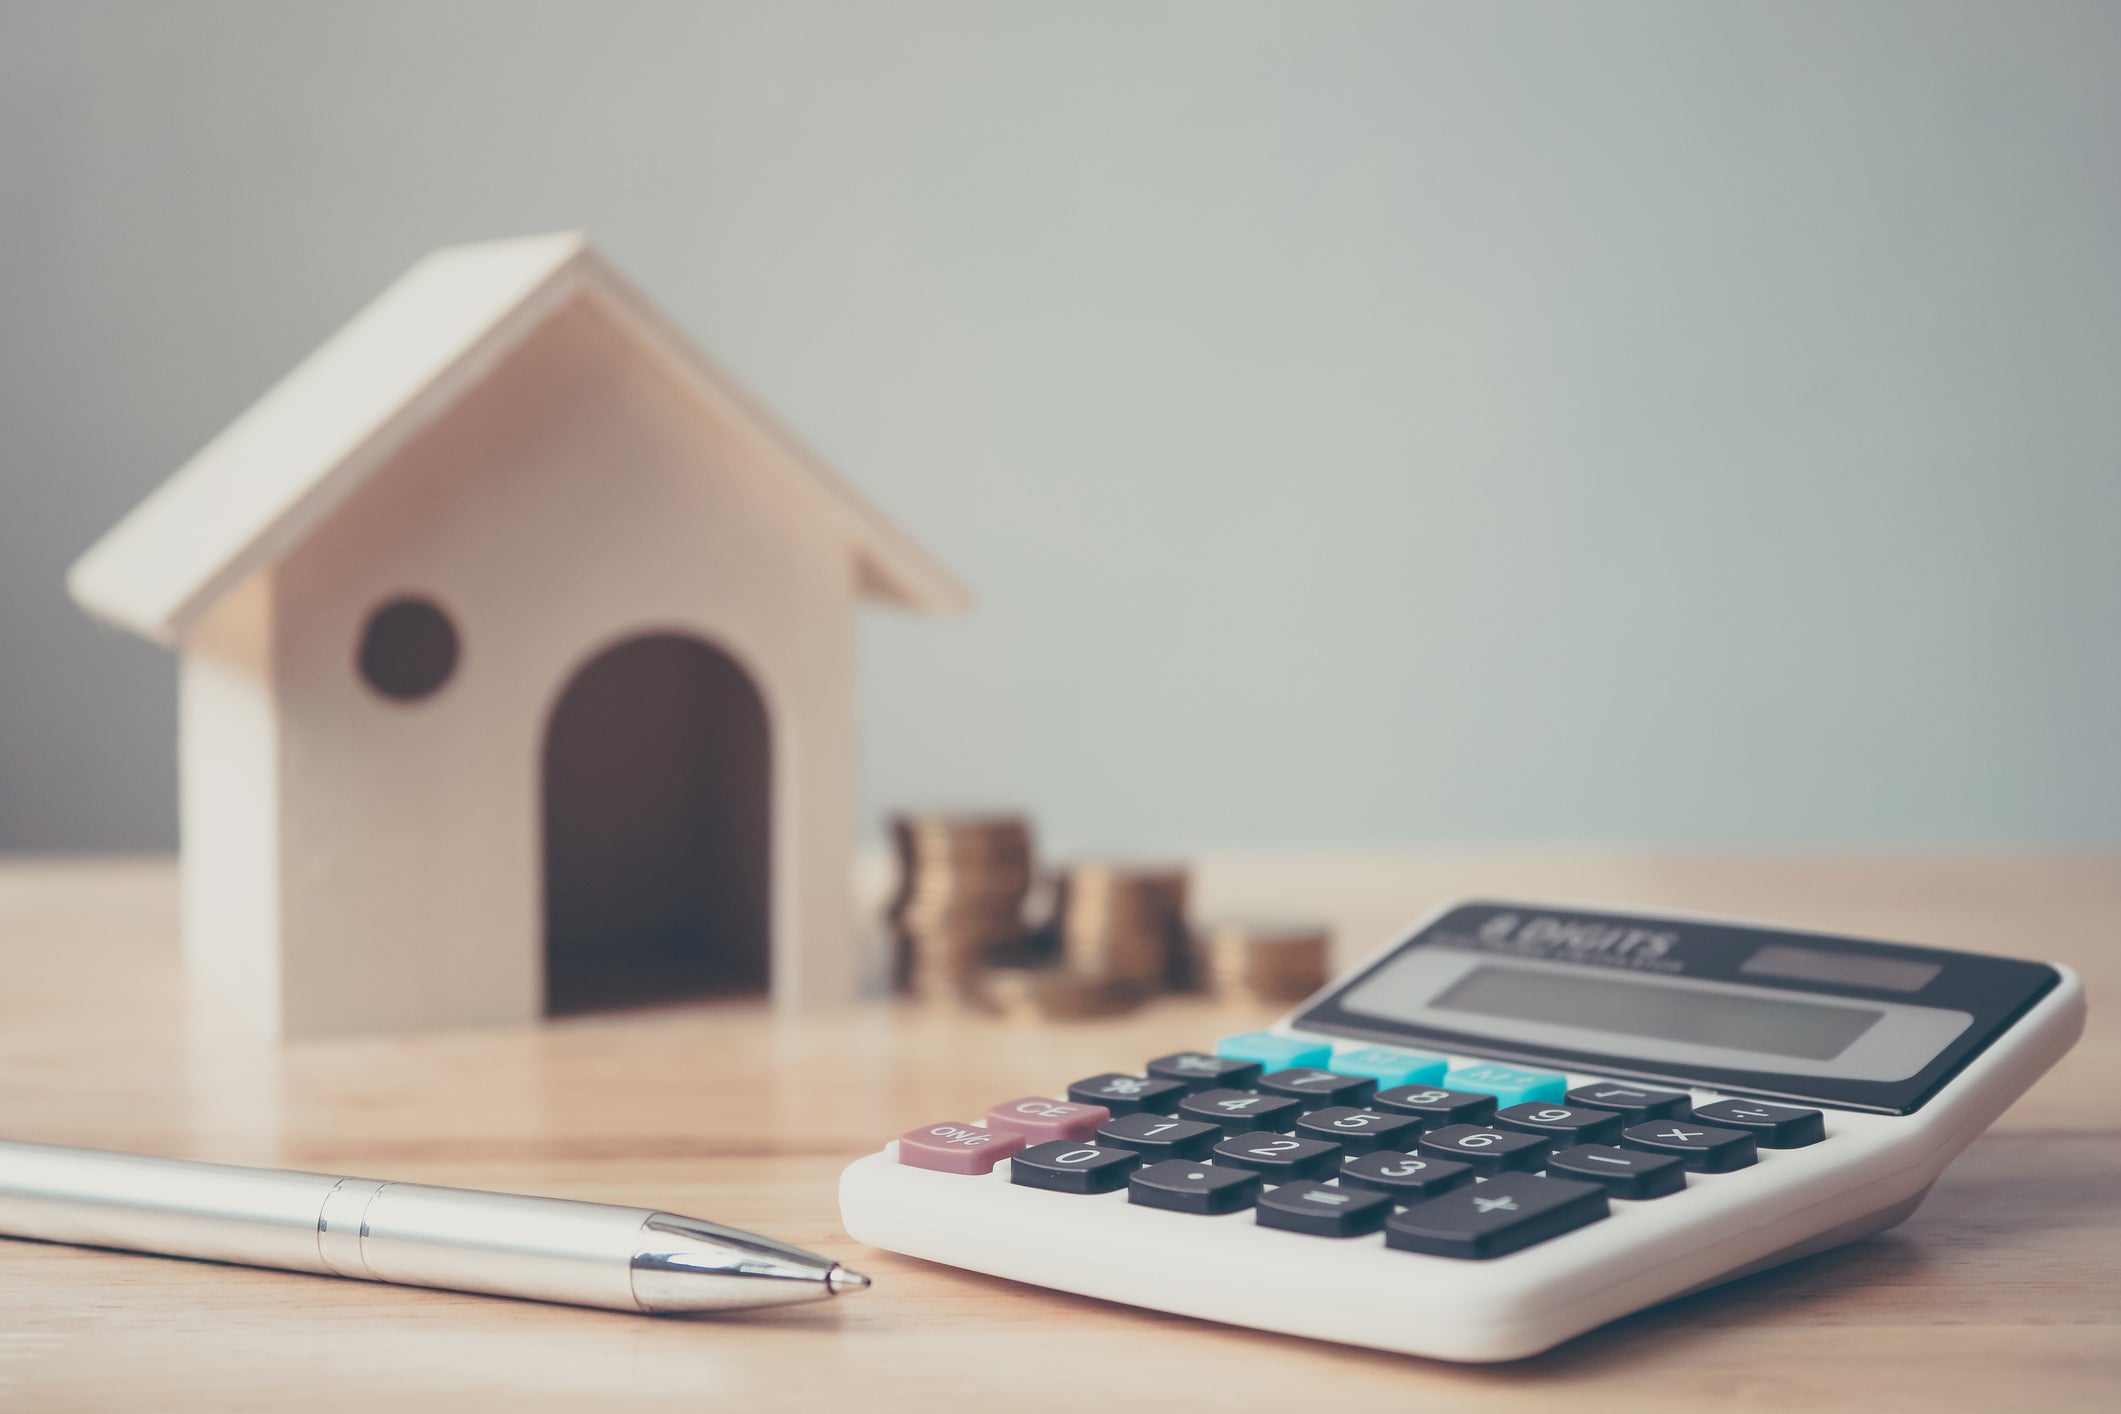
278,471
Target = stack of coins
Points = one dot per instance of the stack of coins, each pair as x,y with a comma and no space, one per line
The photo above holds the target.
1125,925
1050,993
1262,962
962,881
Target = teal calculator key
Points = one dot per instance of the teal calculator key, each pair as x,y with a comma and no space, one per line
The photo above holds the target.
1508,1084
1389,1067
1274,1052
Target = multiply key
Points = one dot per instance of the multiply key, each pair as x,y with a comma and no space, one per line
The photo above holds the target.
1700,1147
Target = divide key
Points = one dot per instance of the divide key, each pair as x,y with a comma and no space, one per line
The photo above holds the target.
1772,1126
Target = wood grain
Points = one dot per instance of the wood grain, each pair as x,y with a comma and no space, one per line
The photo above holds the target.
2000,1293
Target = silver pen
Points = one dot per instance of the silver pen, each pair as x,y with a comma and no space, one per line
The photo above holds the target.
499,1244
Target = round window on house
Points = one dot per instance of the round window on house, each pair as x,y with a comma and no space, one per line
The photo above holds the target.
408,650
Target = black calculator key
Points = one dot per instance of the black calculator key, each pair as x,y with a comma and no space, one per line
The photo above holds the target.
1128,1094
1276,1157
1623,1173
1561,1124
1632,1103
1319,1089
1198,1071
1701,1147
1072,1166
1772,1126
1359,1131
1489,1151
1156,1136
1408,1178
1183,1186
1323,1210
1493,1218
1435,1106
1240,1111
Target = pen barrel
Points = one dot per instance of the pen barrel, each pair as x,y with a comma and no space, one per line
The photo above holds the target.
546,1249
219,1212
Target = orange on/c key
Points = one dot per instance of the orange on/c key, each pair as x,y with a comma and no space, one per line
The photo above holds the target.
951,1147
1039,1119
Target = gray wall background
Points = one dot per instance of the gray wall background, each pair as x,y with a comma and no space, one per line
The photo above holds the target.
1629,422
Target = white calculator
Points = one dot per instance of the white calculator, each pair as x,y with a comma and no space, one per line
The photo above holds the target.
1512,1125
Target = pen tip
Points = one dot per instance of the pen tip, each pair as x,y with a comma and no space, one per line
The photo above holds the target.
841,1280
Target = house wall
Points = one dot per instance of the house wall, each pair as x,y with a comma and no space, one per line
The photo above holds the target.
228,760
573,500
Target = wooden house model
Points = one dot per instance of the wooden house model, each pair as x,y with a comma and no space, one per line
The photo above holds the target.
517,665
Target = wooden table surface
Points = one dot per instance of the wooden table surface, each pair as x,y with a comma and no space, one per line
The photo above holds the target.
2004,1291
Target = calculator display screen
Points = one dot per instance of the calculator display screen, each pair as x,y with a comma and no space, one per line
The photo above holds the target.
1772,1026
1774,1013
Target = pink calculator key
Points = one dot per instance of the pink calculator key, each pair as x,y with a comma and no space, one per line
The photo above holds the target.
957,1148
1039,1120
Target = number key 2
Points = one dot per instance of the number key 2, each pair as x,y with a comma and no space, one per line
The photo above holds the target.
1359,1131
1239,1111
1127,1094
1489,1151
1276,1157
1066,1166
1564,1124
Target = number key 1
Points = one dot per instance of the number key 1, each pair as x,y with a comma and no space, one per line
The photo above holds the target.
1155,1136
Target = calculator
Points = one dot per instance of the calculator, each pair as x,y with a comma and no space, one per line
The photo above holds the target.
1507,1127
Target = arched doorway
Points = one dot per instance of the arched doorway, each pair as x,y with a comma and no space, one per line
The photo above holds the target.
656,828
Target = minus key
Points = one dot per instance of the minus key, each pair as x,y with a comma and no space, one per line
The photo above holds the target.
1623,1173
